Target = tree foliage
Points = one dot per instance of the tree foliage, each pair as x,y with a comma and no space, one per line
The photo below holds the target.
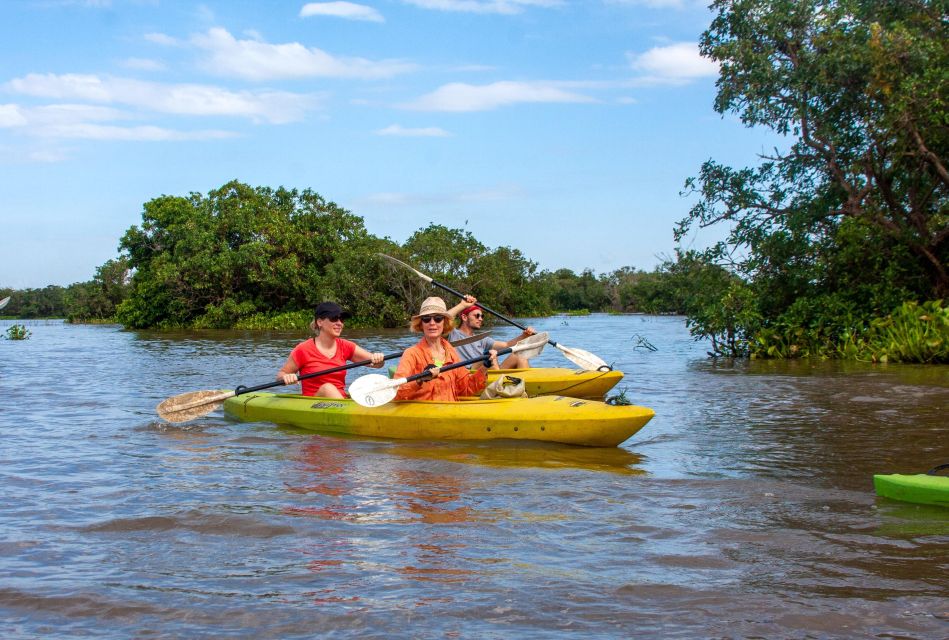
99,298
209,261
852,218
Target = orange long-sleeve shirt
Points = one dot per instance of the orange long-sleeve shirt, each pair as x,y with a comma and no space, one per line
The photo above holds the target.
448,386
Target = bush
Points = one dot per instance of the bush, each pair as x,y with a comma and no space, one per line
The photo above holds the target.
18,332
913,333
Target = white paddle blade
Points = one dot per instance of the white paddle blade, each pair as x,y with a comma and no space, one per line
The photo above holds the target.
374,390
532,346
584,359
4,302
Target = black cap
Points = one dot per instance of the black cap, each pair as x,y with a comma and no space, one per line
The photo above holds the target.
329,310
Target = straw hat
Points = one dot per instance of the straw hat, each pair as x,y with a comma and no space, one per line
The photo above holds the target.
433,306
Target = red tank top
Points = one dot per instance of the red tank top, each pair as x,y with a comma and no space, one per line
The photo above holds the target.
310,359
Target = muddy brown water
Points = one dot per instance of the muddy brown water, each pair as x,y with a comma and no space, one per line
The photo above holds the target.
745,509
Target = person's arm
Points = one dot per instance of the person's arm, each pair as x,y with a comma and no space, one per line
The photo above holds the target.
526,333
466,302
288,372
410,364
471,383
361,354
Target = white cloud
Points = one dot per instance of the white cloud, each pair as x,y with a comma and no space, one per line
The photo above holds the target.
162,39
91,4
459,96
425,132
65,114
181,99
144,133
256,60
85,121
46,156
143,64
675,63
348,10
483,6
19,155
11,116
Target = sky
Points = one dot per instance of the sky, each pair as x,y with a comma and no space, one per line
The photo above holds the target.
562,128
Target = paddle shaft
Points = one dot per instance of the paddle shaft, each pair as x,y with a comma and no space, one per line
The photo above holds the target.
485,308
352,365
278,383
455,365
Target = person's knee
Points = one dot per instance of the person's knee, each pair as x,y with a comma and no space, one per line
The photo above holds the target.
328,390
515,361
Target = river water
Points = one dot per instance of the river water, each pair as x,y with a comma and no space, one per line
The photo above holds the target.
745,508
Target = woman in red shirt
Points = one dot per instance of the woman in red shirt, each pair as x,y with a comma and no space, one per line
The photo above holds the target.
433,350
325,351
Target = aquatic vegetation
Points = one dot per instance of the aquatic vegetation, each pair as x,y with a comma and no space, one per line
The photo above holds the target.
619,399
643,343
913,332
18,332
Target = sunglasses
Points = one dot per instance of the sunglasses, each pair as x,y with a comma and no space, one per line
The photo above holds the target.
477,315
427,319
335,319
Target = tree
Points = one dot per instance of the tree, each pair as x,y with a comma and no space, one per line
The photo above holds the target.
99,298
859,89
572,292
447,255
210,261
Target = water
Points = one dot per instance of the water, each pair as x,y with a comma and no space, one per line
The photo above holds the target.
744,509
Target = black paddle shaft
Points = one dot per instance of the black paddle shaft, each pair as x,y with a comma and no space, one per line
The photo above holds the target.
486,357
488,309
352,365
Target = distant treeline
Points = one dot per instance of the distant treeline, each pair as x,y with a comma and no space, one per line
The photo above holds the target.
263,258
95,300
837,245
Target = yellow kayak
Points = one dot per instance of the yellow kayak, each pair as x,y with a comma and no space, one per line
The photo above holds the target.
545,418
550,381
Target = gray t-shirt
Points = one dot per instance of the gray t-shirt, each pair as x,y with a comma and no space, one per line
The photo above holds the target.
472,349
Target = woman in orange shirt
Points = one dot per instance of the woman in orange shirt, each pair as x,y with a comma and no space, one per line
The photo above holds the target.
434,351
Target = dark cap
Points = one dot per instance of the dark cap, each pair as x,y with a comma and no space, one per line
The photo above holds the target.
329,310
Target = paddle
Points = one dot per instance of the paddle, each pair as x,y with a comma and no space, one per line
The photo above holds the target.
194,404
581,358
4,302
374,390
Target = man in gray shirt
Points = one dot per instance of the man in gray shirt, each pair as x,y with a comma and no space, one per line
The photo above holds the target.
472,318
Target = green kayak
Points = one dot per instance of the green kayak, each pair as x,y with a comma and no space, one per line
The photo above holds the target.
921,488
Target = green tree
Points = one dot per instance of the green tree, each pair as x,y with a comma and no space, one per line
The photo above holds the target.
99,298
445,254
507,282
47,302
573,292
210,261
852,217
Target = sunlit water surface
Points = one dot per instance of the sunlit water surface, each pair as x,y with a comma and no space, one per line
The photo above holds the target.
744,509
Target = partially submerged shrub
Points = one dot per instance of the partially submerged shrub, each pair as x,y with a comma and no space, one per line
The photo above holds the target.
18,332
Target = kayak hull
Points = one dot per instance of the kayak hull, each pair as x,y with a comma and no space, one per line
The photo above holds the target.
546,418
551,381
920,488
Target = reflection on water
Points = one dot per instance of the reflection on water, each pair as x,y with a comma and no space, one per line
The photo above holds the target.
520,454
743,509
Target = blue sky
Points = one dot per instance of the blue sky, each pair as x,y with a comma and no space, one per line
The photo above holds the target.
563,128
